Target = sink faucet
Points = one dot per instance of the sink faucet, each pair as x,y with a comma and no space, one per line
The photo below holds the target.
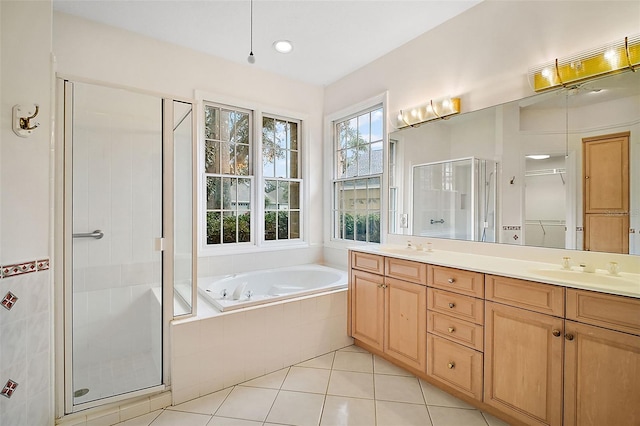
586,267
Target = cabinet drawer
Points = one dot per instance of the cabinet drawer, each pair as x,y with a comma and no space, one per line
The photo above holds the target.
367,262
604,310
455,365
459,306
463,282
463,332
407,270
543,298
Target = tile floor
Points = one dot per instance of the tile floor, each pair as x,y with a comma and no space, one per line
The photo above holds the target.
347,387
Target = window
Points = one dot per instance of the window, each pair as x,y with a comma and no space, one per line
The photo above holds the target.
282,183
228,174
358,167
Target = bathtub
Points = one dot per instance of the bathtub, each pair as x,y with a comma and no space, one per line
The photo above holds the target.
230,292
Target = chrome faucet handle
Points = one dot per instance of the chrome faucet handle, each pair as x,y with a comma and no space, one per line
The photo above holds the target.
249,293
223,293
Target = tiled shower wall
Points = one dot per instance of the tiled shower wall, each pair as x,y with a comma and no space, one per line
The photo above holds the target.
217,352
25,357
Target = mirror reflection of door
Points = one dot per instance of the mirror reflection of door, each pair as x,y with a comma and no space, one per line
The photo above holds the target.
606,193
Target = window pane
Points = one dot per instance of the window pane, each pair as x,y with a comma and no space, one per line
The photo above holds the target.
376,125
374,227
211,122
349,225
270,225
351,163
231,156
281,134
212,157
361,227
341,159
227,197
294,224
242,160
241,128
293,168
281,164
268,147
294,195
363,160
364,133
373,194
213,193
243,194
352,133
270,195
244,227
283,195
226,124
342,132
376,157
283,225
213,227
293,135
229,229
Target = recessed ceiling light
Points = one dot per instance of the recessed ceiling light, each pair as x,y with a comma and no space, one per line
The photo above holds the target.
538,156
283,46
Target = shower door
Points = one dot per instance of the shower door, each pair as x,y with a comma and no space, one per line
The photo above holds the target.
113,230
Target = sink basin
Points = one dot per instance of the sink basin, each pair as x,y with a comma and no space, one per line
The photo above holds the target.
404,251
624,281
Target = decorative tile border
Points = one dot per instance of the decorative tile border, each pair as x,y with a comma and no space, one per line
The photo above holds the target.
9,388
511,228
9,300
7,271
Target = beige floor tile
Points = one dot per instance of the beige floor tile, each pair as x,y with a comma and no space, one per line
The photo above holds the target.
173,418
382,366
296,408
493,421
353,361
352,384
343,411
398,389
323,361
226,421
353,348
446,416
207,404
270,381
435,396
248,403
304,379
399,413
144,420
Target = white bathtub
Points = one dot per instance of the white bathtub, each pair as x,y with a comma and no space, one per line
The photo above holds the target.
230,292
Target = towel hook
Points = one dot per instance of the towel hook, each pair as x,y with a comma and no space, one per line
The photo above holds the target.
22,124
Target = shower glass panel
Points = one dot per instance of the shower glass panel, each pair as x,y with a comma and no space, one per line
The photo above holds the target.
115,157
455,199
183,212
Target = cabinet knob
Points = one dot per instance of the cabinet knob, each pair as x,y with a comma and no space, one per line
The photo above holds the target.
451,365
451,280
568,336
556,333
452,305
451,329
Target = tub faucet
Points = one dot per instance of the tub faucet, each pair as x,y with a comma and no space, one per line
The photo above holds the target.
237,293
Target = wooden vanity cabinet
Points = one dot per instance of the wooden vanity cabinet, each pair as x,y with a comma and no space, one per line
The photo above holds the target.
523,366
388,308
602,366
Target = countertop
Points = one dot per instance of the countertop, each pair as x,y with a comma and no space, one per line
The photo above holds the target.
622,284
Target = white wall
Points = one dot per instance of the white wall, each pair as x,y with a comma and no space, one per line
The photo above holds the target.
89,50
26,329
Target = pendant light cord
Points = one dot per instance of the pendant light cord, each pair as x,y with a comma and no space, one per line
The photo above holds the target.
251,59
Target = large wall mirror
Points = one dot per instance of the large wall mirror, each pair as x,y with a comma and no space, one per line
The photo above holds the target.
566,174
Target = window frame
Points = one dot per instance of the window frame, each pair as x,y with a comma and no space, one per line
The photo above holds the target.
258,243
331,139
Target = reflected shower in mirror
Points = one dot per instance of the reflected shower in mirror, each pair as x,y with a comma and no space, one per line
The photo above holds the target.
541,183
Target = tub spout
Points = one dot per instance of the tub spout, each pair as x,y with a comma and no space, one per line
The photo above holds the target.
237,293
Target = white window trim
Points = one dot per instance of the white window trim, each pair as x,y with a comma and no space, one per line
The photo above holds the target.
258,243
329,153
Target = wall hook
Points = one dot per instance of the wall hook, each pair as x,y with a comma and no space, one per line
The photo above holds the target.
21,123
513,180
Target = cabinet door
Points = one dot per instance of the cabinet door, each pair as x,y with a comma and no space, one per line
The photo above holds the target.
367,308
406,322
523,364
602,368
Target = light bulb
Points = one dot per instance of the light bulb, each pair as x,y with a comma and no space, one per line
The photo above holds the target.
251,58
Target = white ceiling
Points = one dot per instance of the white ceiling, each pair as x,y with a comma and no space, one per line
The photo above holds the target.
331,38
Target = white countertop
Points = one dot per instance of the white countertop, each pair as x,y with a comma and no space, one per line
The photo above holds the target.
623,284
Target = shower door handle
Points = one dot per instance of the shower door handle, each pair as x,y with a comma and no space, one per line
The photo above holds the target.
97,234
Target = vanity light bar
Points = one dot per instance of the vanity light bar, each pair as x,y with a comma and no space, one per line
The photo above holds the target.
434,109
611,58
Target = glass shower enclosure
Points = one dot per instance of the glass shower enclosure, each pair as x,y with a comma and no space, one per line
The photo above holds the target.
455,199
